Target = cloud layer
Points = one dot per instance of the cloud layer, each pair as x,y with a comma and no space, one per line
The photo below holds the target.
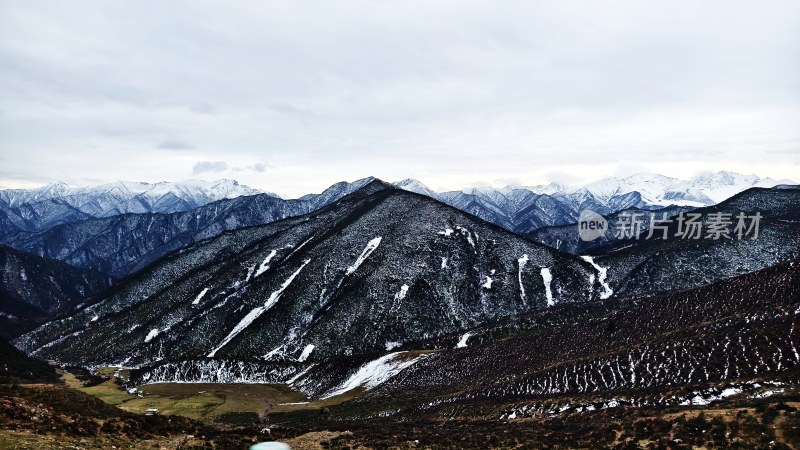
450,92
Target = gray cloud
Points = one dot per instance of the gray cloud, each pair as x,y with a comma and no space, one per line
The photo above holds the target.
204,108
176,145
451,92
257,167
209,167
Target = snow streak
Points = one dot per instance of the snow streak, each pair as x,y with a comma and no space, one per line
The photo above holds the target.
547,278
265,264
200,296
374,373
463,341
603,272
257,312
522,261
306,352
152,334
371,246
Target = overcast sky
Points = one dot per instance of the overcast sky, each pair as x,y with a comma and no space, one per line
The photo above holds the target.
292,96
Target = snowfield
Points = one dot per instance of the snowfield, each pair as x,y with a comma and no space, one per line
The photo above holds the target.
375,372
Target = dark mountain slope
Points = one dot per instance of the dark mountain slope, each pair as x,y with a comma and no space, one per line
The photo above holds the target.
682,347
374,270
637,267
523,211
37,216
33,289
16,367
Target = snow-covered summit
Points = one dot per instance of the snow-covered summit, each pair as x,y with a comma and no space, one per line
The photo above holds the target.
654,189
701,190
130,196
412,185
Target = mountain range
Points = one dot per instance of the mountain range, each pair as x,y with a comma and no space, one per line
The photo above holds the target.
126,197
524,209
83,228
510,207
374,270
391,302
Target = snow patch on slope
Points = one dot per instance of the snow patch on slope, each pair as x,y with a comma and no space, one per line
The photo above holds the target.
468,234
264,266
603,272
257,312
375,372
371,246
401,294
547,278
151,335
200,296
522,262
463,341
306,352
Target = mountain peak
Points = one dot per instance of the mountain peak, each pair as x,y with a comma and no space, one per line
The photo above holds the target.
413,185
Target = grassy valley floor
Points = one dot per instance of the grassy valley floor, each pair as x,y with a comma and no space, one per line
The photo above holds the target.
214,416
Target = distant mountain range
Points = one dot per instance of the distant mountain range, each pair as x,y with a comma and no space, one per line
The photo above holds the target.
124,197
121,227
121,244
526,207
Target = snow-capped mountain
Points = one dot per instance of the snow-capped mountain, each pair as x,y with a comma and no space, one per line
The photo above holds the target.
412,185
120,193
59,203
702,190
637,266
121,244
523,209
376,269
334,192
